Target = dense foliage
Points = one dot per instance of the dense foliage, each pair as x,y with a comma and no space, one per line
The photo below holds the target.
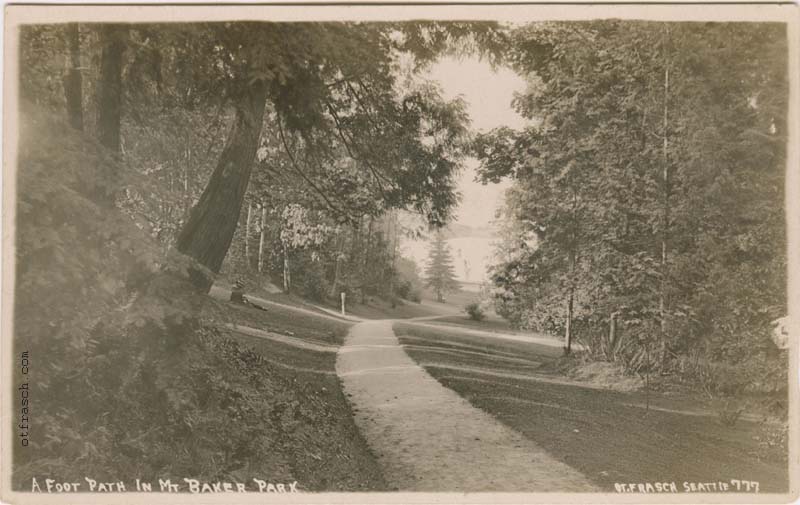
132,376
649,190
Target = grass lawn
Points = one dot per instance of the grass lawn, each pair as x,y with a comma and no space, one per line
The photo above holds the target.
381,309
595,431
317,435
491,323
458,298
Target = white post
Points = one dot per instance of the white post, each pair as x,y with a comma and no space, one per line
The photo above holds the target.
343,296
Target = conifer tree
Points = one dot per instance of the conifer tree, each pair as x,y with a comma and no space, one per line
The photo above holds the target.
439,275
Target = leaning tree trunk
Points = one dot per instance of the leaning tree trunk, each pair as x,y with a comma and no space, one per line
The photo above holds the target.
73,81
207,235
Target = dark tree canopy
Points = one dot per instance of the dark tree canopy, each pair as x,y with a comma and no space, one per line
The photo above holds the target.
652,176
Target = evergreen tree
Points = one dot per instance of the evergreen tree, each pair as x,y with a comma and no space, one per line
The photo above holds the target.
650,176
439,274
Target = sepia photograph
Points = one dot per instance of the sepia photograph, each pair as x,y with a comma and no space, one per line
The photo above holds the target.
400,254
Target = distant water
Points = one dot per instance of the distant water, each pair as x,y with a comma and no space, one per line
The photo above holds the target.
471,256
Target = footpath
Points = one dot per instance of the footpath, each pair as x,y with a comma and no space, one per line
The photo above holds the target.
426,437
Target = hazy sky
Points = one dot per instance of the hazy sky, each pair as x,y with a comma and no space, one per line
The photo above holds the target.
488,95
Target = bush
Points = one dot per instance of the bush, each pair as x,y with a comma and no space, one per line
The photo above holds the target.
403,289
475,311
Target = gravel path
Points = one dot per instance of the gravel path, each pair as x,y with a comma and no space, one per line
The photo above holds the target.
426,437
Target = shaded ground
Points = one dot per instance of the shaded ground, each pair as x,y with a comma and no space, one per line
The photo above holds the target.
375,308
535,347
299,320
426,437
318,438
608,436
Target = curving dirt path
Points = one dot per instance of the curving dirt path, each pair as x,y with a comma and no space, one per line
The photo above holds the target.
426,437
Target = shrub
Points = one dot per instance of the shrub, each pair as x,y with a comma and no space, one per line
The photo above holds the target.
403,289
475,311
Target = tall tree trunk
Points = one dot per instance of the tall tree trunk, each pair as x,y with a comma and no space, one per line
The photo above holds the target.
73,81
365,264
109,99
287,271
612,331
355,249
207,235
568,331
262,237
338,267
662,302
187,201
573,252
393,237
247,235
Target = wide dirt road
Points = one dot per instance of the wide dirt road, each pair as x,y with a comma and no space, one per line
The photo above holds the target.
426,437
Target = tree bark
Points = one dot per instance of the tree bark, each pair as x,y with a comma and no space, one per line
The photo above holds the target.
393,237
187,201
662,303
109,100
356,247
568,331
338,266
247,235
261,238
573,253
287,271
207,235
73,81
612,330
367,251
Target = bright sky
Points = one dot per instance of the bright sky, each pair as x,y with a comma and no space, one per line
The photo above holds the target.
488,95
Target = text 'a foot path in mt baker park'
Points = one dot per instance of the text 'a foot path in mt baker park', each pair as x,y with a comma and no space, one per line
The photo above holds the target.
427,437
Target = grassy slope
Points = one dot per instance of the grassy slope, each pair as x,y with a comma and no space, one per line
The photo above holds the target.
594,431
381,309
375,308
286,321
319,440
491,323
